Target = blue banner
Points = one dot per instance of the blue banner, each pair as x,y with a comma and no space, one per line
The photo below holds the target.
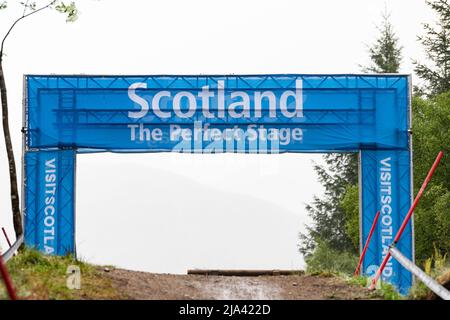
50,201
273,113
386,187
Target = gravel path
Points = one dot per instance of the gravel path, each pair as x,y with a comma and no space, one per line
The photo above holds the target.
143,285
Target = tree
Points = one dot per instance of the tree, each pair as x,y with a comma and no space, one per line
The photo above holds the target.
385,53
29,8
431,127
432,223
431,134
329,225
350,206
436,42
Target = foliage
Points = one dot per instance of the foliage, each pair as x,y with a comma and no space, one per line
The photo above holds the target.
386,291
31,8
419,291
37,276
385,53
358,281
339,171
326,259
438,260
350,205
436,42
69,9
432,223
437,266
431,134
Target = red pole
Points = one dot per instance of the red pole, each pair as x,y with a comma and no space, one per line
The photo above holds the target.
366,245
7,280
407,218
6,236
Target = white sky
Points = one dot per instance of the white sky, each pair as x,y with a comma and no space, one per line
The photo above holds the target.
170,212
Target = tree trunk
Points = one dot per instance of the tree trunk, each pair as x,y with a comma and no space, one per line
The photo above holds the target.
17,217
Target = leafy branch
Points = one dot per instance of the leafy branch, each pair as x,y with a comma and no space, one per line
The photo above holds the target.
29,8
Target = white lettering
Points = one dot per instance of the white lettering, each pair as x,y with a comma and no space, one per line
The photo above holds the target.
244,103
236,104
49,209
270,96
192,104
386,211
205,95
140,101
298,97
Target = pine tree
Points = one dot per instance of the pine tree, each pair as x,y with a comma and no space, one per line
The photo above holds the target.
339,171
385,53
436,42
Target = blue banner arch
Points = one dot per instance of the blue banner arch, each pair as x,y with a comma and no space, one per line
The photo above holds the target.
367,114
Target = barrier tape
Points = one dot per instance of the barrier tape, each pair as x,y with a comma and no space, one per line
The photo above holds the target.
422,276
10,252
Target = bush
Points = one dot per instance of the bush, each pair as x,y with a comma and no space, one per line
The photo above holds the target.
327,260
431,127
432,223
350,205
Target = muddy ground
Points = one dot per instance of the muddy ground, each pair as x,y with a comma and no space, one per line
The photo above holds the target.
142,285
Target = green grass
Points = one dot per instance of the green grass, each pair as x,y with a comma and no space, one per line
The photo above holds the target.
438,267
388,292
324,259
385,291
38,276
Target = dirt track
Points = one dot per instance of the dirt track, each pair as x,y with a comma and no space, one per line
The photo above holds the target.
141,285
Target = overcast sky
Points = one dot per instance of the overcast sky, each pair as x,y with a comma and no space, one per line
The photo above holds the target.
170,212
